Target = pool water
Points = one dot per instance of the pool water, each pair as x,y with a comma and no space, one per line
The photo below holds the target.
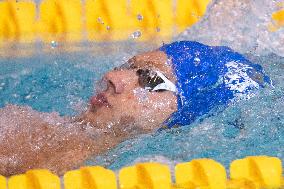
56,80
248,127
44,80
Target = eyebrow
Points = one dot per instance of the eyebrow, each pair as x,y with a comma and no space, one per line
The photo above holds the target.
146,63
131,61
123,66
132,64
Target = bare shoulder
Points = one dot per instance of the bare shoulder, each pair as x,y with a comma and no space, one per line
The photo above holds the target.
29,139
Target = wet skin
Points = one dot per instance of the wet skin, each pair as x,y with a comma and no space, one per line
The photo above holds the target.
125,101
122,111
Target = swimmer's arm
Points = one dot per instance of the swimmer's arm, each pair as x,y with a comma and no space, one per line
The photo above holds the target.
29,140
33,140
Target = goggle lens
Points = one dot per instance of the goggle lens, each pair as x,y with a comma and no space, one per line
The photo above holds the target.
154,81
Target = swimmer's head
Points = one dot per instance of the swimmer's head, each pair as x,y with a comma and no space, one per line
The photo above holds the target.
140,95
173,86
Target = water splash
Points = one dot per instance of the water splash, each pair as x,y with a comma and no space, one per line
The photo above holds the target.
248,127
241,25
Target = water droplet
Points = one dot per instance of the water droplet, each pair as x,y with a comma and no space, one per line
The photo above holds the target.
196,61
140,17
136,34
100,20
28,97
53,44
158,29
169,62
110,125
141,95
108,27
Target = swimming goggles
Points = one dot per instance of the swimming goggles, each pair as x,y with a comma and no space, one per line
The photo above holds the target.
154,81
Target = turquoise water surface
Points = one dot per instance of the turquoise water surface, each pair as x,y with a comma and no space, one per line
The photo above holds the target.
61,78
63,81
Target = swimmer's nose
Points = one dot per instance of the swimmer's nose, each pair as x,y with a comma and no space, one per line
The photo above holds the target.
116,81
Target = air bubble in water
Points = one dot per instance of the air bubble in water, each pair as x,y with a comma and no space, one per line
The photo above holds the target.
53,44
136,34
140,17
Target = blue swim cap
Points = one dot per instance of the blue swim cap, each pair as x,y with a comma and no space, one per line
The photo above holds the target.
209,77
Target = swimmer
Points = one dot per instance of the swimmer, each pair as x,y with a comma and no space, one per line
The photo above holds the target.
172,86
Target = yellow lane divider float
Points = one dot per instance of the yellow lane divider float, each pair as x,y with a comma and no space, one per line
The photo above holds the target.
100,20
61,19
17,20
278,18
255,172
35,179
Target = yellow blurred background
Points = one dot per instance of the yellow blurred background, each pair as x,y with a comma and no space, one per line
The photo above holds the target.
96,20
100,20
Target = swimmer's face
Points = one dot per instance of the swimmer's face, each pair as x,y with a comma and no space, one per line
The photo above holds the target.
127,104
